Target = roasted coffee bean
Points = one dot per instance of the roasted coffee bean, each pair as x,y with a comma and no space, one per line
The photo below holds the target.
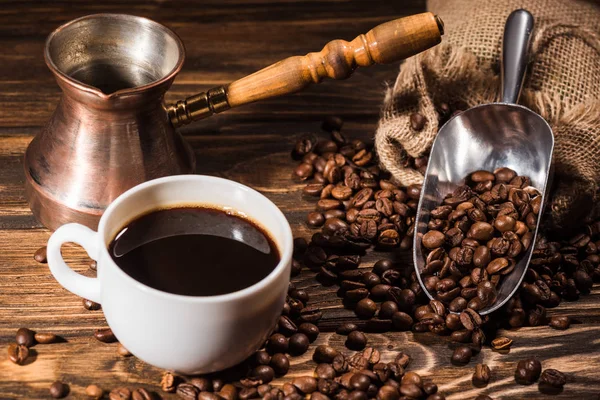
304,145
461,335
46,338
298,344
17,353
356,340
262,373
25,337
453,322
305,384
95,392
537,316
417,121
481,176
359,381
462,355
325,371
528,371
371,279
310,330
40,255
560,322
411,391
90,305
365,308
315,219
402,321
277,343
486,292
481,231
260,358
388,392
286,325
105,335
501,343
433,239
356,295
208,396
553,378
387,309
218,384
122,351
304,171
58,390
324,354
280,363
498,266
313,189
482,375
204,384
230,392
341,192
168,382
248,393
186,391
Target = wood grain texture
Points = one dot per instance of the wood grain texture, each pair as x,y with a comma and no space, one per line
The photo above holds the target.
250,145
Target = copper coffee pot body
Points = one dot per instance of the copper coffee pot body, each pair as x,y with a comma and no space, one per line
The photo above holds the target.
111,130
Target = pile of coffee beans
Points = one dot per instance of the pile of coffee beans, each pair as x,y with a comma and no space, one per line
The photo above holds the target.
357,207
476,237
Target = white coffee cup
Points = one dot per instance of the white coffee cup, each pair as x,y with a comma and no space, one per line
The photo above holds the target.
186,334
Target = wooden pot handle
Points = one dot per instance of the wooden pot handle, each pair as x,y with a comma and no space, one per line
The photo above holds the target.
386,43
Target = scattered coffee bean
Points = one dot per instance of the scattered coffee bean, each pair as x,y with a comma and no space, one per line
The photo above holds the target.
122,351
366,308
95,392
356,340
17,353
40,255
121,393
280,364
553,378
298,344
501,343
482,375
90,305
310,330
168,383
560,322
277,343
528,371
305,384
417,121
462,355
25,337
58,390
105,335
46,338
346,328
202,383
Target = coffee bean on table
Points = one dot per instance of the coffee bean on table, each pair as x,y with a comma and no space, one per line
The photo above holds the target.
90,305
25,336
482,375
17,353
387,309
305,384
325,371
187,391
211,396
40,255
105,335
315,219
560,322
310,330
501,343
388,392
462,355
168,383
298,344
528,371
262,373
122,351
277,343
202,383
141,394
58,390
346,328
95,392
470,319
366,308
280,364
401,321
356,340
324,354
552,378
46,338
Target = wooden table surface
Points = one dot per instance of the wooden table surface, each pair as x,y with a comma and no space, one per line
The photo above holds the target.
225,40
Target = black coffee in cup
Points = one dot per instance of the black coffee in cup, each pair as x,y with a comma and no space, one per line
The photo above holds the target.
194,251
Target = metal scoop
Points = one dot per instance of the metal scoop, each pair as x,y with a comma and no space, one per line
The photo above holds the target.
488,137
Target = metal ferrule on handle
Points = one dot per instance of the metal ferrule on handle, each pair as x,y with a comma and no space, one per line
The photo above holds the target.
517,35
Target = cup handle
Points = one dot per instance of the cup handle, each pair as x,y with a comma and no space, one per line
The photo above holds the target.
88,288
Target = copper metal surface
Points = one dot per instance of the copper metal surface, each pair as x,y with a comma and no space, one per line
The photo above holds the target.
97,145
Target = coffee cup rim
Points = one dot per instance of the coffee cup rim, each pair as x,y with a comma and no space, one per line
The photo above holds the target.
285,250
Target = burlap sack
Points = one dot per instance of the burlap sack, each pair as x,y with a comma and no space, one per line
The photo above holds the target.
562,84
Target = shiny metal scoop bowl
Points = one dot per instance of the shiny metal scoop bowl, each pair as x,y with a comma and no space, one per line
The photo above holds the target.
488,137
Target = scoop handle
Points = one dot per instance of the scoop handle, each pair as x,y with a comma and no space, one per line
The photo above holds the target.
517,35
386,43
